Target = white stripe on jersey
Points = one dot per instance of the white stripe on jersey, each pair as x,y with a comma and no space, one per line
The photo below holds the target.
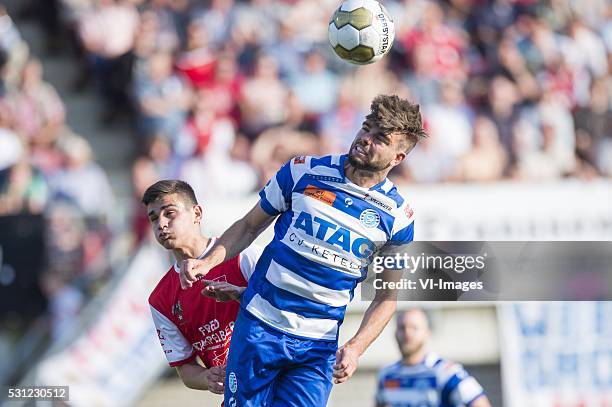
308,250
176,347
248,260
287,280
467,390
411,396
292,323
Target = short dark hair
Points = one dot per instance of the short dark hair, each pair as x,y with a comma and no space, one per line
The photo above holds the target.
394,115
169,187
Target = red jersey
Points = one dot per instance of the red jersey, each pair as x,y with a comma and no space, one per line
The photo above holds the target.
190,324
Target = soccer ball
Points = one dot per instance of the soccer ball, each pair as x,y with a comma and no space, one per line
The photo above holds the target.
361,31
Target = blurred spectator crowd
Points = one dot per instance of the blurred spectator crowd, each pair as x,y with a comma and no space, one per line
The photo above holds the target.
221,92
47,170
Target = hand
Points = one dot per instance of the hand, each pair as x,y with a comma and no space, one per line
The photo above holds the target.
347,359
191,269
215,377
222,291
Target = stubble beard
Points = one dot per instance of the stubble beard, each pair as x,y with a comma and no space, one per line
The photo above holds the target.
371,166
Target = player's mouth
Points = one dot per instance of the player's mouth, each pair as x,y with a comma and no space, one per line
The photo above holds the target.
360,150
164,236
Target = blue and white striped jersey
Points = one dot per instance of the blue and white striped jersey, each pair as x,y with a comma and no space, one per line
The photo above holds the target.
434,382
324,238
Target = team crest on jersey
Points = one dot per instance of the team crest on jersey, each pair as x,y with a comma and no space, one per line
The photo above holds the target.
177,311
369,218
233,382
299,160
408,211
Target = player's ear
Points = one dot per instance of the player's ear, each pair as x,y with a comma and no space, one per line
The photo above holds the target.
399,157
198,212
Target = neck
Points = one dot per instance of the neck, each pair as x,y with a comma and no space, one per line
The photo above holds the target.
191,249
414,358
364,178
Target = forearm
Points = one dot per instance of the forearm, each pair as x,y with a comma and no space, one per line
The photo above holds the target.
235,239
193,376
374,321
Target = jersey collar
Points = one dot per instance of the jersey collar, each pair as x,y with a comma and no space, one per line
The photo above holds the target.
206,250
343,159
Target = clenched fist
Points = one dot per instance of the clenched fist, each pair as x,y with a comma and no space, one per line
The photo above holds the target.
191,269
214,379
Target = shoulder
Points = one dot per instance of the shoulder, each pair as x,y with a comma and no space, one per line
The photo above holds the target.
389,370
161,296
296,167
403,213
248,259
450,372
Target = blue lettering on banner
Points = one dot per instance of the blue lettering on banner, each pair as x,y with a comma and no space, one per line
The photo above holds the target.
565,343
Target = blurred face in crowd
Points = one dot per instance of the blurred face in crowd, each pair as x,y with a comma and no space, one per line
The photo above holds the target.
175,221
197,37
412,332
266,67
372,150
485,133
160,66
32,74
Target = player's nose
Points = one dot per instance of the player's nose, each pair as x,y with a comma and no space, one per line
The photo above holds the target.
161,223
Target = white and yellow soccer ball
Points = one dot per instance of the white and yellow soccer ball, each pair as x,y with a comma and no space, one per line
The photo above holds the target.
361,31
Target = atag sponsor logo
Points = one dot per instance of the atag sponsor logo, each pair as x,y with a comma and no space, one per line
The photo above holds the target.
333,234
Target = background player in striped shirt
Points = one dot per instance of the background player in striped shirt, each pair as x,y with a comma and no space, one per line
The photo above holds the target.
332,214
422,378
191,323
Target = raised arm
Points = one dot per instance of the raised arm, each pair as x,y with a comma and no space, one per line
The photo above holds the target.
374,321
235,239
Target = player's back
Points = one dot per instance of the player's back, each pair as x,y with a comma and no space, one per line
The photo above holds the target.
434,382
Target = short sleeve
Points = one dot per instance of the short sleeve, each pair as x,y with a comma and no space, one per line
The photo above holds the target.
176,348
461,388
248,260
276,195
403,226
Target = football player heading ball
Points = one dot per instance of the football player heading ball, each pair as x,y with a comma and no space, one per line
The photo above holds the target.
331,214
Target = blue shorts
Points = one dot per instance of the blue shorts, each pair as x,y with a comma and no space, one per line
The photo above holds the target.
266,367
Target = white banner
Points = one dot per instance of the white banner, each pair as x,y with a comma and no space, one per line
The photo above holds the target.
556,354
118,356
568,210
